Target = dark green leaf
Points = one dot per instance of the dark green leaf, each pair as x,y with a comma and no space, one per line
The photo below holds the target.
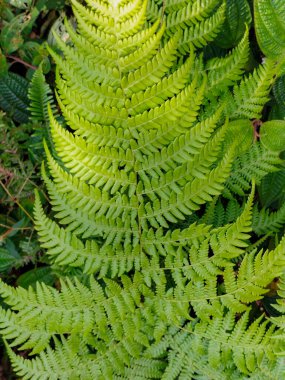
272,187
6,260
238,15
42,274
13,96
269,22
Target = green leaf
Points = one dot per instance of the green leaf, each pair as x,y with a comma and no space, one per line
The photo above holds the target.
15,228
11,248
29,50
268,193
42,274
279,90
269,22
272,135
55,4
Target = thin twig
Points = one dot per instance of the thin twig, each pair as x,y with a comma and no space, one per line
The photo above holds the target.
17,59
162,12
15,200
15,229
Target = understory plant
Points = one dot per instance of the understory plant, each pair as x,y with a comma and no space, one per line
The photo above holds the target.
151,184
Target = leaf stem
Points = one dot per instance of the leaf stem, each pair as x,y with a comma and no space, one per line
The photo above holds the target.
15,200
17,59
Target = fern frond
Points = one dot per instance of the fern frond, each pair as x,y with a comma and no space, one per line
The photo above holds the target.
224,72
217,214
195,193
65,249
227,241
255,163
270,370
80,308
210,341
40,96
154,10
200,21
262,267
252,93
85,366
188,15
264,221
237,17
115,217
200,34
26,337
54,364
280,307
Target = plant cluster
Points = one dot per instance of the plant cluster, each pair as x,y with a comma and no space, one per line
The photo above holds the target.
162,217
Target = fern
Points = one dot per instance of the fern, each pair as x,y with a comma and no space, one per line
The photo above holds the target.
265,221
237,16
144,293
40,96
224,338
252,93
224,72
200,21
256,162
